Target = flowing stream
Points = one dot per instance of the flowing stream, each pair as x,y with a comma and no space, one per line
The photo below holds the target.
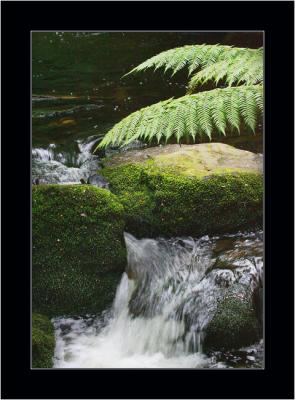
165,299
169,291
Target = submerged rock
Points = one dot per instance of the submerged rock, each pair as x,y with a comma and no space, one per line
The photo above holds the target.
49,114
169,194
78,251
222,245
36,98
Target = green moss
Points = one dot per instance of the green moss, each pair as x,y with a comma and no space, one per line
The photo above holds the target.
78,248
162,202
42,341
234,325
130,185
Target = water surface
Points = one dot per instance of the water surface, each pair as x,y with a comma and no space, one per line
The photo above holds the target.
79,93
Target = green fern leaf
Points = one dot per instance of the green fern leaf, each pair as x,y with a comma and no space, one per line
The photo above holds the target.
241,66
191,115
213,62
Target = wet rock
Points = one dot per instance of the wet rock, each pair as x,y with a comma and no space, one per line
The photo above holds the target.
38,181
221,264
239,358
233,325
131,273
224,279
223,245
65,328
257,301
134,145
243,274
35,181
99,181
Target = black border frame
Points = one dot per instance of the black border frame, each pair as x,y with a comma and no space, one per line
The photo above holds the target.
276,19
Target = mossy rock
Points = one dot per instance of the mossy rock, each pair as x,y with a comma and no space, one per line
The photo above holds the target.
78,248
178,192
192,160
234,325
43,341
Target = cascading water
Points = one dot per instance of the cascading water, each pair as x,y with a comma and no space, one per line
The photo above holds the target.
56,164
163,303
52,165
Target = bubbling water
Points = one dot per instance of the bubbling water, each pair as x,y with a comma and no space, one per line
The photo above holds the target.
162,305
53,165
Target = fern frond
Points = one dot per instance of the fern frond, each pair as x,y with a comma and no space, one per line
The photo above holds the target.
208,55
248,107
232,109
243,66
138,123
191,115
214,62
175,59
219,114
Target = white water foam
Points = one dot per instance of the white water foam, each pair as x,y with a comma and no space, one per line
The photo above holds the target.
158,316
124,343
51,166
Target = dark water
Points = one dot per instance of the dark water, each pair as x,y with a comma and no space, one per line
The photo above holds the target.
78,92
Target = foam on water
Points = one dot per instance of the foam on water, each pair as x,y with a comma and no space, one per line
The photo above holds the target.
54,166
123,343
159,313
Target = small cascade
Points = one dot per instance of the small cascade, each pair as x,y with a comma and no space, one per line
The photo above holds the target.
163,304
55,165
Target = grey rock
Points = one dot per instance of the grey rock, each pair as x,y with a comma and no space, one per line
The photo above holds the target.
99,181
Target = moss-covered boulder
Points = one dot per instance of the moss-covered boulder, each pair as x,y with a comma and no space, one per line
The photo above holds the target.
233,325
42,341
188,190
78,248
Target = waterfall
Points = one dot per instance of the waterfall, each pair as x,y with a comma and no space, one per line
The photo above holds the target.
165,299
57,165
